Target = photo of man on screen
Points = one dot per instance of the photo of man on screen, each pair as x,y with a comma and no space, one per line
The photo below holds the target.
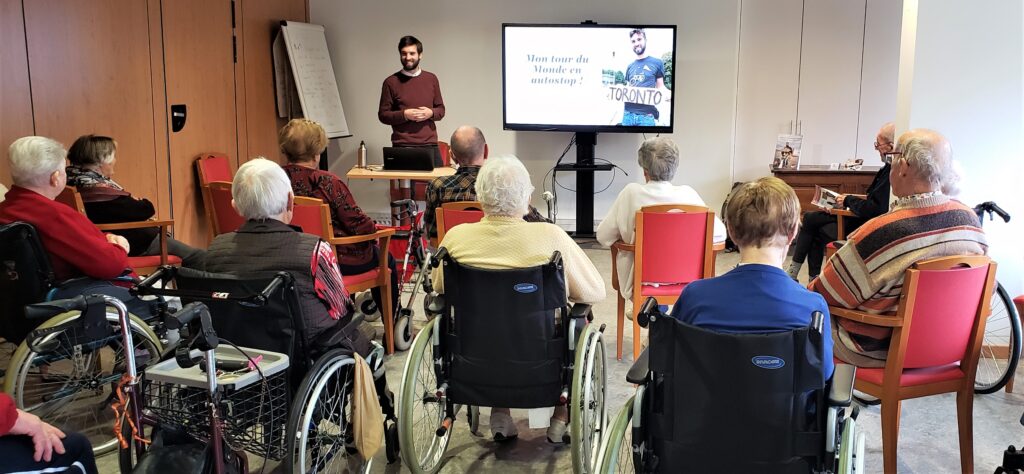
644,71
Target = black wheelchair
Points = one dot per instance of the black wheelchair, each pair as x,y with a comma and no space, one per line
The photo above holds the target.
718,402
63,367
502,338
310,426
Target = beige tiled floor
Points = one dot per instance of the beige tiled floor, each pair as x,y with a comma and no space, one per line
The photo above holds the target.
928,439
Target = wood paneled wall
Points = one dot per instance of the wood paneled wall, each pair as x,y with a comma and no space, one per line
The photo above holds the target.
114,67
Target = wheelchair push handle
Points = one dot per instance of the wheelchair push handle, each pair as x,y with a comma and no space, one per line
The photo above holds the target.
989,207
185,315
648,312
264,296
50,309
435,261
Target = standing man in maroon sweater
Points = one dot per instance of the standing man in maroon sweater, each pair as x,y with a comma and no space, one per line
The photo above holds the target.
410,101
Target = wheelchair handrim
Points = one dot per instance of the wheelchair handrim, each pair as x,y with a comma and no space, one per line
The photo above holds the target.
306,422
588,429
611,451
23,358
427,458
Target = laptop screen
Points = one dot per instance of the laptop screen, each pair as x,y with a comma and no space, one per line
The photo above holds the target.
409,158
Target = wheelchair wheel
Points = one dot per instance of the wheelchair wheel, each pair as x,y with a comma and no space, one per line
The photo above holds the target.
365,305
587,412
72,386
618,449
851,449
1001,347
420,411
320,421
403,329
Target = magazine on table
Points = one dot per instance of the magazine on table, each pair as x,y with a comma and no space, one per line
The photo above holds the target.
787,152
824,198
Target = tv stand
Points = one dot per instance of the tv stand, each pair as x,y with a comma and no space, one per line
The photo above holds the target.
584,167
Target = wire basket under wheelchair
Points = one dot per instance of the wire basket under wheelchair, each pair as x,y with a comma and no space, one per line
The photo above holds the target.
254,412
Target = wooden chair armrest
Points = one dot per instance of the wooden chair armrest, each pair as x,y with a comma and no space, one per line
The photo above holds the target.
162,224
862,317
718,246
355,239
843,212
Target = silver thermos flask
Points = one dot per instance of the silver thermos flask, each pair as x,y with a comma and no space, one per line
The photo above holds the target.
361,156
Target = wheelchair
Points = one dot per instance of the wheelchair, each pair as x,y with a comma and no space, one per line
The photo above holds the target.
63,366
720,402
308,426
502,338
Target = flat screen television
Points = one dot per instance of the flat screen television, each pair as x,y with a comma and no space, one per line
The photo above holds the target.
588,77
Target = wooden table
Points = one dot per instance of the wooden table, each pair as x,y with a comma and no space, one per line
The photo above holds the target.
804,179
375,172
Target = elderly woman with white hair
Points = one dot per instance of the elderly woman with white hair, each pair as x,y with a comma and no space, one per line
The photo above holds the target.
867,272
659,158
503,240
75,246
265,243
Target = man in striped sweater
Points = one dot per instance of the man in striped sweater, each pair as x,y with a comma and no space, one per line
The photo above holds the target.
867,273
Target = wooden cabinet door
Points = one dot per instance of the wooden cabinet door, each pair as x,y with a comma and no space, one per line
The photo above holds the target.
91,66
830,80
200,74
15,94
766,95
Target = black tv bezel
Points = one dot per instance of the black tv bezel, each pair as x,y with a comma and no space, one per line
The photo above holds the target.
586,128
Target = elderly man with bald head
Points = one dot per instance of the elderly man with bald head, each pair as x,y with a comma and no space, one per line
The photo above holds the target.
468,149
867,272
819,227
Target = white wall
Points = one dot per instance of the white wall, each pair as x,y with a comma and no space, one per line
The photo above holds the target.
968,83
462,45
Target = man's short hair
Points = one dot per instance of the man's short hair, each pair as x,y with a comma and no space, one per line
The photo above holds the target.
91,150
34,159
467,146
407,41
260,189
302,140
659,157
503,187
762,213
638,31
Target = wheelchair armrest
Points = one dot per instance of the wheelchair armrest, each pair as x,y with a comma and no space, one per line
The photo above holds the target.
581,310
841,392
50,309
638,372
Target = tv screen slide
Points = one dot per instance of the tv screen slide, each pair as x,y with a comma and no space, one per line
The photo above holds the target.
586,77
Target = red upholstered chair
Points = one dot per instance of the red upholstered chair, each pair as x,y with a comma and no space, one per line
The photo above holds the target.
451,214
937,334
143,265
222,216
314,217
673,248
212,167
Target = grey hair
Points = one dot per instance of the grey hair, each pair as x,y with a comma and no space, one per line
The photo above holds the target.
931,157
34,159
503,187
659,157
260,189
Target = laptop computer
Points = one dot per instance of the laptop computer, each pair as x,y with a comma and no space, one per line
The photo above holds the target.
409,158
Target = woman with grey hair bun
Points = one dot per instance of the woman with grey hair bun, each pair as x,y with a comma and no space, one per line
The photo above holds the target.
659,158
503,240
